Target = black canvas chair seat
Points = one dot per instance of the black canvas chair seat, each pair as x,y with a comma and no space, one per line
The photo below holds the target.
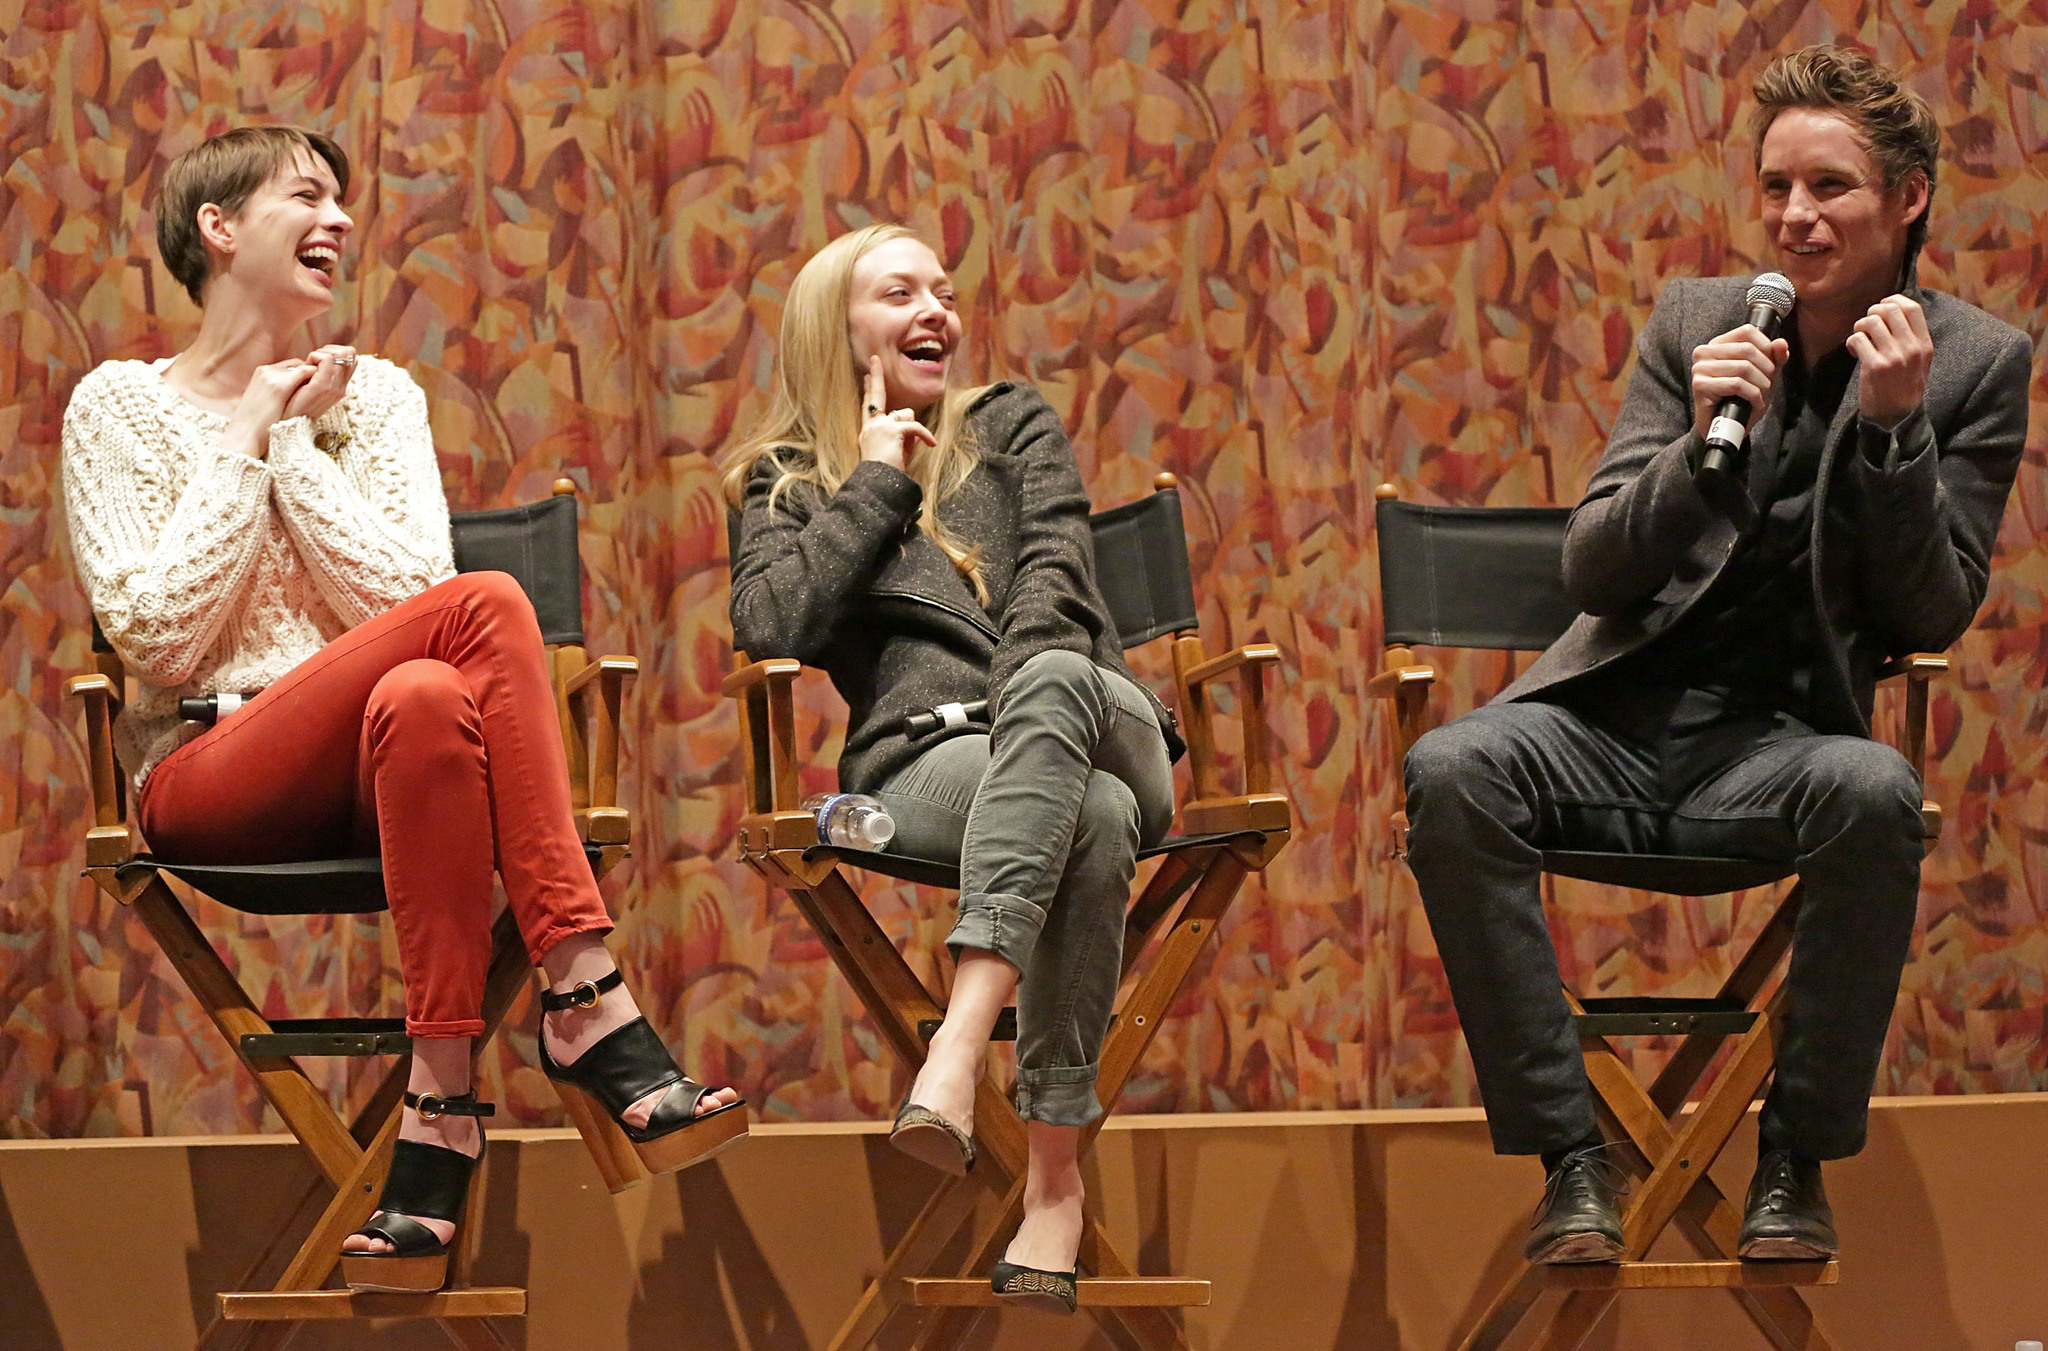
927,872
1673,874
334,886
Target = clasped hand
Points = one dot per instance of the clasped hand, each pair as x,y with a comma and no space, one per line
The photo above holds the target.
886,435
1893,352
296,387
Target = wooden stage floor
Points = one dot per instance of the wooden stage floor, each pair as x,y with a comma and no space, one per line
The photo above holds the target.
1351,1230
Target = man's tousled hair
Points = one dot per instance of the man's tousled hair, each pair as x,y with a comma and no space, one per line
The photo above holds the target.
1895,124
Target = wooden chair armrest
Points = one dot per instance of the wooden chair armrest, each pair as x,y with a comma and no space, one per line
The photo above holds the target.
595,695
1917,665
108,843
1193,672
778,670
1230,663
1918,668
767,730
1390,684
615,669
1407,683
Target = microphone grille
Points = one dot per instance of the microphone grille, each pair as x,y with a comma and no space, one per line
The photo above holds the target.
1773,289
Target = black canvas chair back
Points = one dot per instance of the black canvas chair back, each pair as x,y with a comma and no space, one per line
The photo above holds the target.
535,543
1473,576
1141,567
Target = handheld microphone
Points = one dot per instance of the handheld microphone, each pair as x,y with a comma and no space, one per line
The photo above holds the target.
945,715
1770,298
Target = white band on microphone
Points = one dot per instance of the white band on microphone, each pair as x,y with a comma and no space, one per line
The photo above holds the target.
224,704
951,715
1727,431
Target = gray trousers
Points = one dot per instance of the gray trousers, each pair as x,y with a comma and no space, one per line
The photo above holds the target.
1044,816
1488,792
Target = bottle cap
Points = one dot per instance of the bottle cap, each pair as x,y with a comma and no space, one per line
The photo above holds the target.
878,828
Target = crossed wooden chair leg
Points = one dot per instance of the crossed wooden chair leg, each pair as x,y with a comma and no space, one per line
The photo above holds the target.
1134,1311
352,1159
1671,1155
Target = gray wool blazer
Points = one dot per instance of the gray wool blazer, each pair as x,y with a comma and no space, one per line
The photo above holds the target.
849,582
1903,521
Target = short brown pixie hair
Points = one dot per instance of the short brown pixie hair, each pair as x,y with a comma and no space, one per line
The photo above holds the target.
1895,124
226,170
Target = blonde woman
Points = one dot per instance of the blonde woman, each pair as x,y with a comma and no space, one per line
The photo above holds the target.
926,545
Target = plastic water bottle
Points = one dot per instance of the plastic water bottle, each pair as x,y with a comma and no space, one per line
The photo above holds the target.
851,820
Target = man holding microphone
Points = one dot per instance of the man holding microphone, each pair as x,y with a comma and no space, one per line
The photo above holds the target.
1714,697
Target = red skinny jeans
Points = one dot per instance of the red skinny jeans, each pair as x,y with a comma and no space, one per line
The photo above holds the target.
429,734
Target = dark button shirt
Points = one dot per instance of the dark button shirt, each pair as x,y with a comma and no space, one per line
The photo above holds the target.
1750,645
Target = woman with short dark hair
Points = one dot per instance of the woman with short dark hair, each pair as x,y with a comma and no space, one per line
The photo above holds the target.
252,515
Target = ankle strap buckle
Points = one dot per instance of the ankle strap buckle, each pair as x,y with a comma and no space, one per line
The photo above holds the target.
582,995
431,1106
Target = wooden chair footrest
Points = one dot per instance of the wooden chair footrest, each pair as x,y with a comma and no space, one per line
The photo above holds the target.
1149,1292
1689,1275
328,1036
1715,1023
1004,1030
267,1306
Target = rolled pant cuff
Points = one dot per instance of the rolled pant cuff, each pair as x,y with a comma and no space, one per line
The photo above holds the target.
460,1027
545,944
1008,926
1062,1096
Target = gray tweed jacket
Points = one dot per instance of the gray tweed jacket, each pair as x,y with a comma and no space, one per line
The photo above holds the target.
851,584
1904,521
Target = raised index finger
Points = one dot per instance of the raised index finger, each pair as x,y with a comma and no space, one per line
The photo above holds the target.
876,391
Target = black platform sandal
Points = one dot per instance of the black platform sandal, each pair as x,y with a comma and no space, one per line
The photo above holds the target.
929,1138
1030,1288
628,1064
431,1181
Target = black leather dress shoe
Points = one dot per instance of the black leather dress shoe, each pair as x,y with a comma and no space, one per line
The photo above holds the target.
1579,1217
1786,1218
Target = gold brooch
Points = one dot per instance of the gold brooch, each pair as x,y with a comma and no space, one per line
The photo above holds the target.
330,443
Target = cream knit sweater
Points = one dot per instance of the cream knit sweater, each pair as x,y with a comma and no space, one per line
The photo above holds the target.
212,572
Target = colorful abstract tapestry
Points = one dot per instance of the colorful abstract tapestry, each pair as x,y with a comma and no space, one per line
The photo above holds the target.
1286,249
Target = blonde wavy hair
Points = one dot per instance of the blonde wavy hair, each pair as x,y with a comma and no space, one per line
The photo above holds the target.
811,431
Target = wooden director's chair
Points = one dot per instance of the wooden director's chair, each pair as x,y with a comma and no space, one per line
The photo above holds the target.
1141,567
1492,578
536,544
